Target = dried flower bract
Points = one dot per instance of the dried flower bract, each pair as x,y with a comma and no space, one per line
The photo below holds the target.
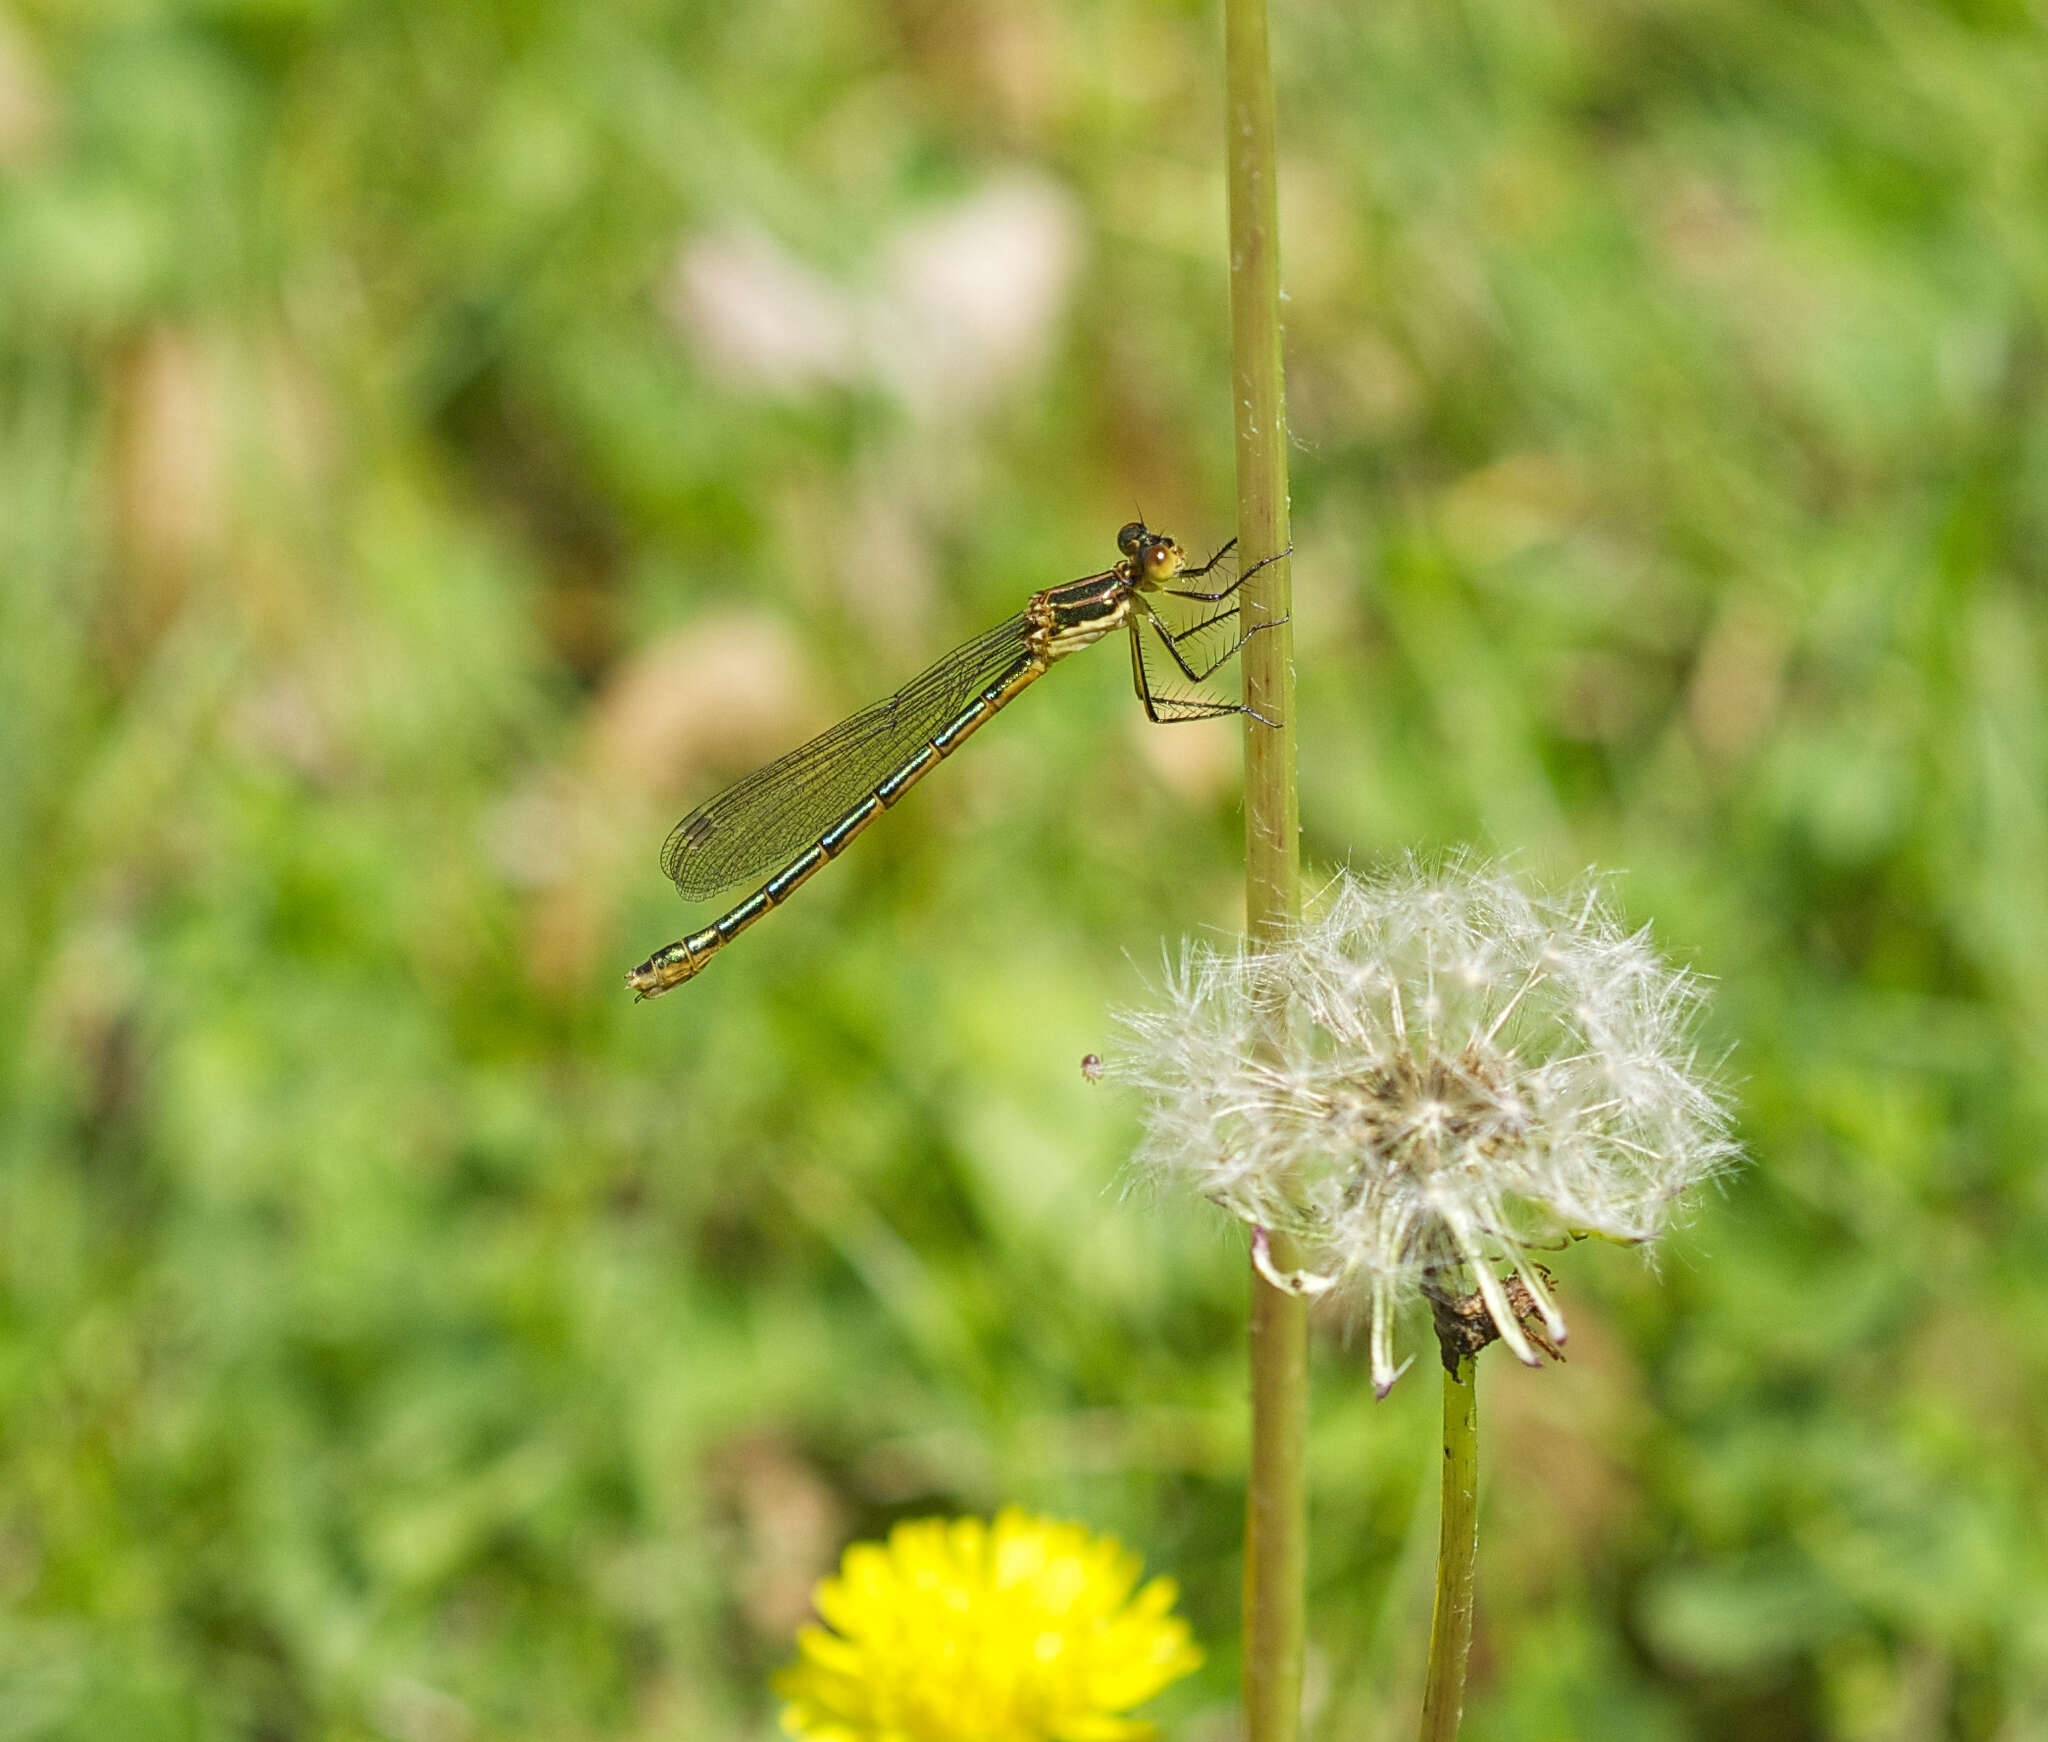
1439,1070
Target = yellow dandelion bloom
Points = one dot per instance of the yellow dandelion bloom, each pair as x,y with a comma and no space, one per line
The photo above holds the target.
956,1630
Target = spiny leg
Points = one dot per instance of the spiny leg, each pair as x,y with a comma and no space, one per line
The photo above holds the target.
1197,573
1176,637
1186,709
1173,639
1182,708
1215,598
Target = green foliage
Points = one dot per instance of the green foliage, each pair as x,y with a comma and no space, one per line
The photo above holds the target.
402,1335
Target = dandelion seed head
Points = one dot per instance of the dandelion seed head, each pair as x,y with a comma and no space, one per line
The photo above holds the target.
1439,1069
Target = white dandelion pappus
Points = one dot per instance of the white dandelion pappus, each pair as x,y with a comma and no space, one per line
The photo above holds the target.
1438,1070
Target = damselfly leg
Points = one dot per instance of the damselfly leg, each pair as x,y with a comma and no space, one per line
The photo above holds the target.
1165,710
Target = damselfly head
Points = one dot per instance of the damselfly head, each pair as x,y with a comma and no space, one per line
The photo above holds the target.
1153,556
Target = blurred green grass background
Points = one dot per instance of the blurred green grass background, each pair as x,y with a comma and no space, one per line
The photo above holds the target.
439,443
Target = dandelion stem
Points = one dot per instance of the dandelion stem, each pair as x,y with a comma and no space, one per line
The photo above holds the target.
1450,1630
1276,1508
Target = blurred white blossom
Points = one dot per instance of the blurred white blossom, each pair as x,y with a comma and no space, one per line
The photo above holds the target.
964,302
1437,1071
972,295
761,318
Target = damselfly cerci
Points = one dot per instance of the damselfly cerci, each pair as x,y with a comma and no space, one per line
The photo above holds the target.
801,811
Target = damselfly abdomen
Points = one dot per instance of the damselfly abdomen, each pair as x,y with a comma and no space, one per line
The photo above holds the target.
800,811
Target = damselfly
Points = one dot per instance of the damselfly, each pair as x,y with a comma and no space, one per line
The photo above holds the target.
800,811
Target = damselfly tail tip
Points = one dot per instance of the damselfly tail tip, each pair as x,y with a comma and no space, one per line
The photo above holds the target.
662,972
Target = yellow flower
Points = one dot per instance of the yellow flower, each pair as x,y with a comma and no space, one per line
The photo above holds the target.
1024,1630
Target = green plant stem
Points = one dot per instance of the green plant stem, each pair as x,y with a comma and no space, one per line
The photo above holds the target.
1259,411
1276,1509
1450,1629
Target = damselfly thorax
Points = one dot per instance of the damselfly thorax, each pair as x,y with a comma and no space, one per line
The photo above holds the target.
801,810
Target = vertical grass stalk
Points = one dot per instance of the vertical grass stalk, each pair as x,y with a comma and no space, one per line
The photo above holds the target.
1276,1513
1450,1629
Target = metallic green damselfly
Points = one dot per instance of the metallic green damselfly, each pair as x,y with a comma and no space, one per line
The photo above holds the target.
800,811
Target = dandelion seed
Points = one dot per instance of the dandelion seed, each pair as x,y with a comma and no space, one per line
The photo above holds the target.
1020,1630
1440,1071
